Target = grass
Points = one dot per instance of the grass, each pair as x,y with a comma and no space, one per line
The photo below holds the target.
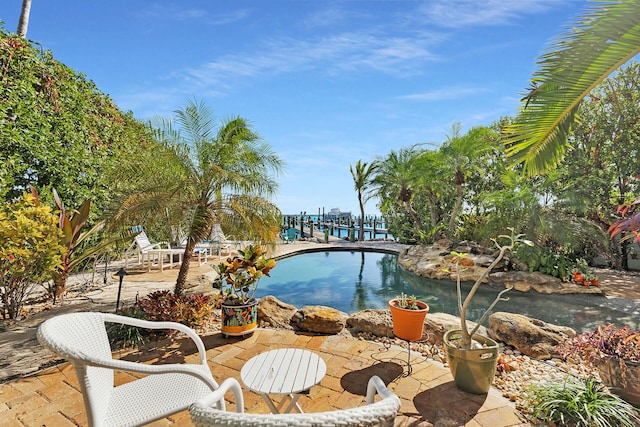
580,403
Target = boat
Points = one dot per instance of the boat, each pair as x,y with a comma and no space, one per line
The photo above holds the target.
336,215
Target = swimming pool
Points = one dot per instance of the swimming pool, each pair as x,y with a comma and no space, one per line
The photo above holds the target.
351,281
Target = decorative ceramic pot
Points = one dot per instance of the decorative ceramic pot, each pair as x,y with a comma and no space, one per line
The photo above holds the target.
408,324
239,319
473,370
627,385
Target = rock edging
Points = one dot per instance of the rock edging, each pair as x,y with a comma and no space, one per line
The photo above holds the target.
531,337
436,262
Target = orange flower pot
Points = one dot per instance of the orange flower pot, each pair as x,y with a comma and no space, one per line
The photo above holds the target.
578,278
408,324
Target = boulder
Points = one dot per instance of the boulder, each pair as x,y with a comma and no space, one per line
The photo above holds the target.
436,262
274,313
531,337
379,323
525,281
319,319
373,321
436,324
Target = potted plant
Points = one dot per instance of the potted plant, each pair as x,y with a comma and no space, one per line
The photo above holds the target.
407,315
472,358
238,279
615,352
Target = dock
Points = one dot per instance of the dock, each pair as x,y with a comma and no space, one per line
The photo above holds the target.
345,227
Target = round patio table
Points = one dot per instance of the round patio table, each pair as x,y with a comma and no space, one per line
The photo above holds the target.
287,371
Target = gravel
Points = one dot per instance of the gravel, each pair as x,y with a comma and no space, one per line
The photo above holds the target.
516,372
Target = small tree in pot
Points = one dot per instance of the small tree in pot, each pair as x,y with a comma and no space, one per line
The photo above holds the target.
472,358
238,279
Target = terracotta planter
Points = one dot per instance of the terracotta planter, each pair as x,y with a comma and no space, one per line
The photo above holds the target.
628,386
408,324
239,319
473,370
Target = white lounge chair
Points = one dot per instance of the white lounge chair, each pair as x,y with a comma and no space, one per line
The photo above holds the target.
380,413
82,339
202,250
219,241
152,252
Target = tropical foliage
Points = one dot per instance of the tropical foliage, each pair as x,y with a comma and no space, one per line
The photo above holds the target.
80,243
580,403
194,311
30,251
362,174
238,276
602,40
604,343
57,130
566,212
205,174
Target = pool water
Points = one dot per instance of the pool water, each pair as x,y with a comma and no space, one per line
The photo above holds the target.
351,281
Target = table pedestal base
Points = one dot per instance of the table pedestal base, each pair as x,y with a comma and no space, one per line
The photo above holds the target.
292,399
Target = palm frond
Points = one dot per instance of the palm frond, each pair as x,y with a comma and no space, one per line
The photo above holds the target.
597,44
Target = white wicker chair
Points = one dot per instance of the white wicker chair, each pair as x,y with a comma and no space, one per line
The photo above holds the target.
82,339
381,413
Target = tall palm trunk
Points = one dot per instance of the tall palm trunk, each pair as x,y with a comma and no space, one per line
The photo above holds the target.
361,231
23,24
184,267
414,215
454,213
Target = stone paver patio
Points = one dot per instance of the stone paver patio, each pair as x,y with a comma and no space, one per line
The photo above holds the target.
428,395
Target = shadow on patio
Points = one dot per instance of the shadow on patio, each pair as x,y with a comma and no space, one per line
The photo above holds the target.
428,395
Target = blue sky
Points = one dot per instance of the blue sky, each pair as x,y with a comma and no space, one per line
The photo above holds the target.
326,83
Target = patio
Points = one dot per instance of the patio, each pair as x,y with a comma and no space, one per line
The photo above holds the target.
428,395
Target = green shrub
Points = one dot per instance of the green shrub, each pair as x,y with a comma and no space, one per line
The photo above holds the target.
121,336
545,261
30,251
161,306
580,403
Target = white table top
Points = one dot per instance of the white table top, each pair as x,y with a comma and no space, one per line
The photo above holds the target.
283,371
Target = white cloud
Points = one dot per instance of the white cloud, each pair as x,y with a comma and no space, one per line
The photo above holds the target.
446,93
332,54
461,13
168,12
172,12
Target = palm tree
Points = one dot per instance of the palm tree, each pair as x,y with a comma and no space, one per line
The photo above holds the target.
396,178
462,155
362,175
600,42
207,174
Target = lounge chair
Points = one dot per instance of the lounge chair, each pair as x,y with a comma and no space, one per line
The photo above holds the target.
152,252
82,339
290,235
202,250
218,240
380,413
